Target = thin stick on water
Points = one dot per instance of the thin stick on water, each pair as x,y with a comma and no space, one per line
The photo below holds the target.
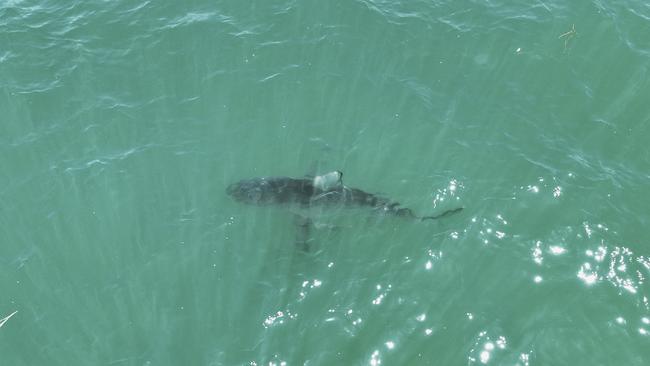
568,35
4,320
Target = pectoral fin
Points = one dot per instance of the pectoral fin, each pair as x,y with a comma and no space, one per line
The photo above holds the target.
303,231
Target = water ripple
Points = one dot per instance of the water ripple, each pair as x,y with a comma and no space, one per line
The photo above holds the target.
136,9
196,17
104,159
393,12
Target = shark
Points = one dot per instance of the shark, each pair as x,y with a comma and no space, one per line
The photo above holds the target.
323,191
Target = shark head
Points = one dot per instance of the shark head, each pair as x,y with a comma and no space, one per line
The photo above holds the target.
252,191
330,181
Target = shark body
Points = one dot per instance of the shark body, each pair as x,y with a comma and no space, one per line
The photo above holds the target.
325,190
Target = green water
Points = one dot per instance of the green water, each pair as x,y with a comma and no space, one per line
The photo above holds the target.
122,122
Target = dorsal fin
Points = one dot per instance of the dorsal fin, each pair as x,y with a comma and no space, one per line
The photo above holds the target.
329,181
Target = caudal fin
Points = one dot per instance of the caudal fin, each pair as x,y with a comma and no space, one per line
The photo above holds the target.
446,213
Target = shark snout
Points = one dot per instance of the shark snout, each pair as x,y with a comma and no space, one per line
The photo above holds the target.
231,189
245,192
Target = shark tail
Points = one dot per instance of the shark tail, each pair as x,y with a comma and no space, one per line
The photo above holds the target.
446,213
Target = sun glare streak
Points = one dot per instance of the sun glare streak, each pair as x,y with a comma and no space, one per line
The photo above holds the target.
588,229
557,250
599,254
278,318
378,300
587,275
557,191
485,347
644,261
537,253
450,191
524,358
374,358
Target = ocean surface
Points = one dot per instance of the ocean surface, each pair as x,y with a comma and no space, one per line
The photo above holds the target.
123,122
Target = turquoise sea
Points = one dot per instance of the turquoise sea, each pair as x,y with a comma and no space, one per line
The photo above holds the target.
123,122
